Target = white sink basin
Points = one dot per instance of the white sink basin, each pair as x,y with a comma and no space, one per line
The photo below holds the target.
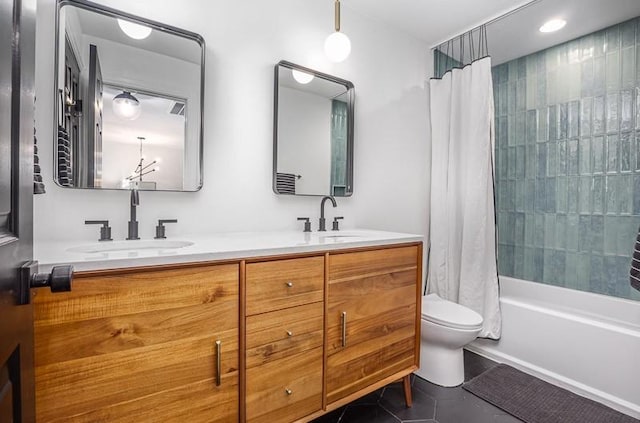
133,245
341,238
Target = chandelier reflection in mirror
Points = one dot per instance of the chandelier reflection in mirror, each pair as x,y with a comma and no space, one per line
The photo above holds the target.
135,180
130,147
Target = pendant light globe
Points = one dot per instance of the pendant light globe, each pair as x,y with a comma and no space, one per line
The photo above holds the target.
337,47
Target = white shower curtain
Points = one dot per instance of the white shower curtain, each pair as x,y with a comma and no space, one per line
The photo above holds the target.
462,264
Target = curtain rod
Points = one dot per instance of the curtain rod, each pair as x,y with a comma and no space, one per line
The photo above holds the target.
490,21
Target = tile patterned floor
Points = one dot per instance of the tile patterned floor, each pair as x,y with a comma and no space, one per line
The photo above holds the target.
431,403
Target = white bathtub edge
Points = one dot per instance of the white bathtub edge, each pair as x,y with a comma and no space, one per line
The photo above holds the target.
609,400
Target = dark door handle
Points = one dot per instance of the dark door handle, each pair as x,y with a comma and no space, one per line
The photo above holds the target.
59,280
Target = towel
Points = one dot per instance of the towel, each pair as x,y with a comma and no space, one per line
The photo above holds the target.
634,273
286,183
38,185
65,175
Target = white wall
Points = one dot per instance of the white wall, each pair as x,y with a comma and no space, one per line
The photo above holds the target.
244,42
304,139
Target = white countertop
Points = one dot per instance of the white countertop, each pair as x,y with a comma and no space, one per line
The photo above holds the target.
222,246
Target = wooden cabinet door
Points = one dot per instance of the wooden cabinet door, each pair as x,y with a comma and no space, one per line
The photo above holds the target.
140,347
377,293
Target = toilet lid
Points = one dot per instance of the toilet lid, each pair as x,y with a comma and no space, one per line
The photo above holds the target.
450,314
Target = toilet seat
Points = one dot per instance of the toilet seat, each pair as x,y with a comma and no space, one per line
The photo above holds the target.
449,314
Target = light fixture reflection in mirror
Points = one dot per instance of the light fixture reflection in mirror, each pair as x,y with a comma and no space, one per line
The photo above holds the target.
126,106
134,181
301,77
134,30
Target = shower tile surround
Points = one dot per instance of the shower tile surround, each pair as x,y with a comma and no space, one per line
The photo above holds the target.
568,162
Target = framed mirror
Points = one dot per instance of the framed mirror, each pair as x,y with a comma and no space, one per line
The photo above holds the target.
313,132
129,101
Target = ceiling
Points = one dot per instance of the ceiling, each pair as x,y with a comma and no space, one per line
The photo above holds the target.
516,35
583,17
433,21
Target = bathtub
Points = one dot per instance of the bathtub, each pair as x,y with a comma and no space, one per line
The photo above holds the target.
584,342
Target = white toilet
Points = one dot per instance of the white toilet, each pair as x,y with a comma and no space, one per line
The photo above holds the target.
446,328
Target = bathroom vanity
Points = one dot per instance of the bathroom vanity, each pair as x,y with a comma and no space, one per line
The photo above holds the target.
277,328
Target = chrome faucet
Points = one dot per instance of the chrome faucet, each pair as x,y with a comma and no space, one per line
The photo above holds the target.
133,223
322,223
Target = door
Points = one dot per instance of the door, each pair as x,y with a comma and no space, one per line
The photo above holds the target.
17,49
69,125
94,121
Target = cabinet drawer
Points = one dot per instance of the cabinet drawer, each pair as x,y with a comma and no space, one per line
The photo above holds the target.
279,284
278,334
285,390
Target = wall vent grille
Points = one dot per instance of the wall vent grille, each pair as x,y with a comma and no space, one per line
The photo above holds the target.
177,109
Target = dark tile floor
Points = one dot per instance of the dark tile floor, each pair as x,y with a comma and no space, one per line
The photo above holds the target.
431,403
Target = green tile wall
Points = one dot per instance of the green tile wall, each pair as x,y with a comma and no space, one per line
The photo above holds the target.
568,162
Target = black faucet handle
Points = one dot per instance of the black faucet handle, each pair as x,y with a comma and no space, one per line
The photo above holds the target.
336,224
307,223
160,229
105,230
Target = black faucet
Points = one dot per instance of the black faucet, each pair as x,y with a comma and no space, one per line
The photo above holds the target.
322,225
133,223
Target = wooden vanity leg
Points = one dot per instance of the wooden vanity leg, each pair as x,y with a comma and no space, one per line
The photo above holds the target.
406,382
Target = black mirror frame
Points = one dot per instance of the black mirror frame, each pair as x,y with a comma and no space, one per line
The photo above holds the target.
107,11
350,122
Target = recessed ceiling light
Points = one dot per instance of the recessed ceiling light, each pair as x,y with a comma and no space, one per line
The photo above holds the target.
553,25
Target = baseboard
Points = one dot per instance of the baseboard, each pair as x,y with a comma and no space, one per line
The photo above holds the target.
614,402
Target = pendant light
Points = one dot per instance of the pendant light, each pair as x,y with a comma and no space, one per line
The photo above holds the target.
126,106
337,46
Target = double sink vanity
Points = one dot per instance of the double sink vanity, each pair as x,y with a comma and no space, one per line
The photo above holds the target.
226,327
256,327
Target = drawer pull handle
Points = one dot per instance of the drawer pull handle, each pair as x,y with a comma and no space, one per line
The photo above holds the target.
289,333
288,391
344,328
218,362
289,284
